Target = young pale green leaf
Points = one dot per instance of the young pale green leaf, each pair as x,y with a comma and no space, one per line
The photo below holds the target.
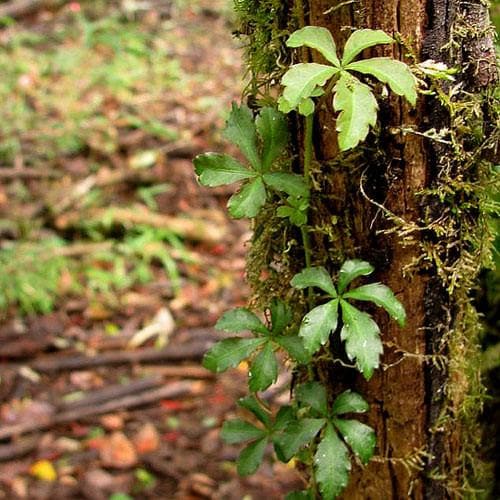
332,464
315,276
295,347
229,353
361,40
349,402
296,216
281,315
216,169
237,431
352,269
284,106
240,130
296,435
306,107
302,79
273,130
395,73
318,38
362,339
382,296
292,184
240,319
358,111
251,404
264,369
251,457
313,394
317,324
359,437
248,201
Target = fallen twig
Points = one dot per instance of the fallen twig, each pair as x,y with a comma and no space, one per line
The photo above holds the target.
182,352
173,390
18,449
19,8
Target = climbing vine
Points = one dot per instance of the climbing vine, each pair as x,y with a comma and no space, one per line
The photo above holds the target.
312,429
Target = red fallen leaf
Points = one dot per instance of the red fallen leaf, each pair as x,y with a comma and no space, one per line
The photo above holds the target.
168,404
172,436
79,430
218,249
96,443
147,439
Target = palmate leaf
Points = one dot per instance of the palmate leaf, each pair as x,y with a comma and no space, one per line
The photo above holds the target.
264,369
362,339
240,319
349,402
296,435
251,457
313,394
302,79
229,353
360,438
352,269
292,184
240,130
306,107
317,38
315,276
361,40
358,111
281,315
248,201
273,130
237,431
214,169
332,464
294,346
395,73
317,324
251,404
382,296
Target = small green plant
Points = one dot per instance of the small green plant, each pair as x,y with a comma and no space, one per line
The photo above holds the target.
312,429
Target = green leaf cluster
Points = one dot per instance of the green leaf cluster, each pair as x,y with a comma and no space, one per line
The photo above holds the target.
352,99
359,331
262,141
260,349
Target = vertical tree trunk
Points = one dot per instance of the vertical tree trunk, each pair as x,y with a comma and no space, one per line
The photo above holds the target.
412,206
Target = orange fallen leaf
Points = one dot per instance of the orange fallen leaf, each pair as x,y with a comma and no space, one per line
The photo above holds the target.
147,439
118,452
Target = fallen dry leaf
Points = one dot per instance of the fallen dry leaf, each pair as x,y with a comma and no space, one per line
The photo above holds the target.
118,452
147,439
43,470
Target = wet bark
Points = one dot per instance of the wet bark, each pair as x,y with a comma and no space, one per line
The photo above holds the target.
407,395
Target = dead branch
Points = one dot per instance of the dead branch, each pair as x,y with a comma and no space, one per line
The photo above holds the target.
18,449
184,352
174,390
20,8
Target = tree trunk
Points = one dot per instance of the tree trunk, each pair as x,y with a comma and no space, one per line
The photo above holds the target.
397,203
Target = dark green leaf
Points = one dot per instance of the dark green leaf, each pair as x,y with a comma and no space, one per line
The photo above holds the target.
273,129
237,431
315,276
240,130
281,315
317,38
361,40
362,339
313,394
358,111
382,296
395,73
285,416
352,269
301,80
264,369
251,404
292,184
295,347
216,169
296,435
317,324
251,457
359,437
248,201
332,464
229,353
349,402
300,495
239,320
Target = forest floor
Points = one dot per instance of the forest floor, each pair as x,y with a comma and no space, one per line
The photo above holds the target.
114,262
